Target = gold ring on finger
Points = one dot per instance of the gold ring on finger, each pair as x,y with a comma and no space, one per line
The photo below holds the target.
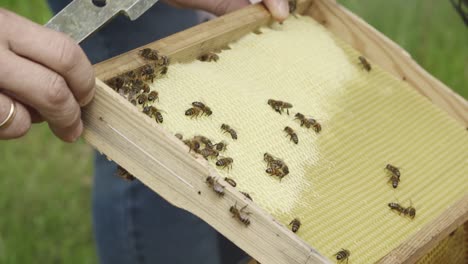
10,116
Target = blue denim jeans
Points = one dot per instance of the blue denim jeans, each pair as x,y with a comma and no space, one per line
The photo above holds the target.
132,224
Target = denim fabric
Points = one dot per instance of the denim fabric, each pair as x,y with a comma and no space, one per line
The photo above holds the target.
132,224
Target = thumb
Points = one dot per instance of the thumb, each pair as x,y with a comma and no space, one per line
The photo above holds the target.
279,9
217,7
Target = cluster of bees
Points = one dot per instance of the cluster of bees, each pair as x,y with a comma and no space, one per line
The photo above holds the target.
276,166
133,85
207,149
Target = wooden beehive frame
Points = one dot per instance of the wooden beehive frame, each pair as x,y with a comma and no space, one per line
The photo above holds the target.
116,128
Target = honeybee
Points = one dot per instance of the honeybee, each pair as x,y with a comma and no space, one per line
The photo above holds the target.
193,112
241,215
142,99
224,162
164,61
149,54
295,224
317,127
410,212
179,136
279,106
291,134
131,74
135,86
300,117
221,146
152,111
215,185
365,64
131,95
230,181
164,70
124,174
147,72
153,95
268,158
139,85
394,170
210,56
307,122
209,153
227,129
395,180
198,104
277,171
206,110
133,101
247,196
147,110
273,162
158,117
397,207
192,144
123,84
342,255
204,140
116,83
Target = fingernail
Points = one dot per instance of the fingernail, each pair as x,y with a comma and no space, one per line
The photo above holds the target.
79,129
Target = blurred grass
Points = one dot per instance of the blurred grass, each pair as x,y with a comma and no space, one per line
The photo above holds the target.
45,184
36,10
431,31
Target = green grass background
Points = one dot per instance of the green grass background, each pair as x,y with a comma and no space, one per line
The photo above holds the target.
45,184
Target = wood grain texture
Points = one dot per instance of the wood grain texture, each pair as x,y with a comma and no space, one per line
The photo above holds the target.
388,55
116,128
429,236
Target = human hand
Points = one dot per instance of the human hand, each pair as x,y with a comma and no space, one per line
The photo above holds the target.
45,74
279,8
